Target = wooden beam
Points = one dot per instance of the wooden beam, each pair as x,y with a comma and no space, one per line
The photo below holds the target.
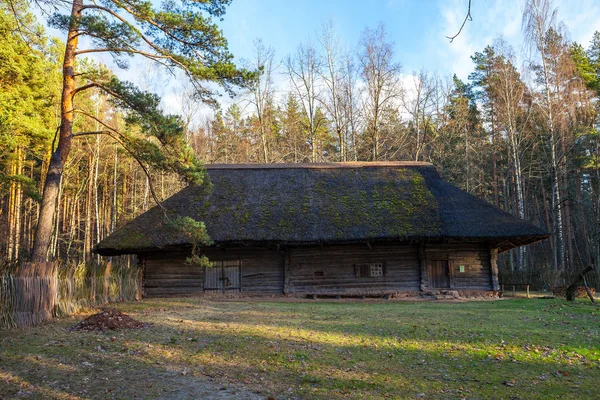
494,268
286,271
424,279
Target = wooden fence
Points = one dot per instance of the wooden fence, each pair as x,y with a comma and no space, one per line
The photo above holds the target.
31,293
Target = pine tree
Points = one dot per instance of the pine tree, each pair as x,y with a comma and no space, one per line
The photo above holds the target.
482,83
28,79
179,35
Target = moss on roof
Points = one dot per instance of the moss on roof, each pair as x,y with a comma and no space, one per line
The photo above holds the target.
320,203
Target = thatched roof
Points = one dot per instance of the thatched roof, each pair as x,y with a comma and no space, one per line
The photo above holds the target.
324,203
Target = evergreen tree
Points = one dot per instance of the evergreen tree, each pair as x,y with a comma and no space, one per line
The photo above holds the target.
585,69
179,35
461,133
28,81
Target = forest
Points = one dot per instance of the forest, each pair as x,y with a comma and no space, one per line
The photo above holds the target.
522,136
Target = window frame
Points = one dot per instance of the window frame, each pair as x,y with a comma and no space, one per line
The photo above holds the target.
367,270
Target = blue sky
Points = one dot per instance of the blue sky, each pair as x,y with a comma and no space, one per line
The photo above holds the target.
283,25
417,28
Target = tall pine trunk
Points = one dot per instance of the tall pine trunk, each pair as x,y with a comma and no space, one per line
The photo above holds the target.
59,156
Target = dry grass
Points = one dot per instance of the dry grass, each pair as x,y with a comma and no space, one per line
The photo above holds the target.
31,293
513,348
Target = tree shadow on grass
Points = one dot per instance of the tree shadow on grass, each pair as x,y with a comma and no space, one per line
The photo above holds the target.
306,351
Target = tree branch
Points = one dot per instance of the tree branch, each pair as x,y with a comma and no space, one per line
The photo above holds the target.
121,50
91,133
110,132
161,28
140,34
84,87
467,18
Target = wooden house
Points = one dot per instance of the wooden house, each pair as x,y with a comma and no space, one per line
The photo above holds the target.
331,228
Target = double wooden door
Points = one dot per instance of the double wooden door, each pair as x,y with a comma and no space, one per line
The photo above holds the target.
439,276
223,276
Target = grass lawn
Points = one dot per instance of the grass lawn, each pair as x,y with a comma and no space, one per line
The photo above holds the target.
198,348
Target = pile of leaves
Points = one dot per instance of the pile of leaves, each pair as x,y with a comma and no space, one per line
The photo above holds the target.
580,293
109,318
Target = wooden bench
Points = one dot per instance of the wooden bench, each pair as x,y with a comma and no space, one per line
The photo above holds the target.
338,296
514,285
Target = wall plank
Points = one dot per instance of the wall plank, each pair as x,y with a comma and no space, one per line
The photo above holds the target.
325,269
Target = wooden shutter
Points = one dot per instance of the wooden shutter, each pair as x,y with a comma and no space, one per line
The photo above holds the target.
362,270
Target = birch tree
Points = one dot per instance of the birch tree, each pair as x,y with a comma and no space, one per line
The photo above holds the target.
510,93
332,75
382,77
539,18
262,91
303,70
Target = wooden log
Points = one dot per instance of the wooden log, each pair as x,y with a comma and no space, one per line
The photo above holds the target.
587,289
570,293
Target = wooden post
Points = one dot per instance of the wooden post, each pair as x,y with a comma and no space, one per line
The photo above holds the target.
240,274
286,271
107,282
527,291
141,279
423,270
494,269
514,290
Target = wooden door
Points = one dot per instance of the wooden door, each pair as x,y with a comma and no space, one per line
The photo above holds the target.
231,276
223,276
440,274
212,279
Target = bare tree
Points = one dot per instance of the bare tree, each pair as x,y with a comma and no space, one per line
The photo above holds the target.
333,77
189,106
382,78
510,93
303,70
350,104
538,18
417,103
262,91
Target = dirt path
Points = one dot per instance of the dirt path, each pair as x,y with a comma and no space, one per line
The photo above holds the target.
191,387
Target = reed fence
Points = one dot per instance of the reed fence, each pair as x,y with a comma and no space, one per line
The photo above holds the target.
31,293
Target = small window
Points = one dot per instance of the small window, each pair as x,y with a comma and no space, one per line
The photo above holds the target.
376,269
319,274
370,270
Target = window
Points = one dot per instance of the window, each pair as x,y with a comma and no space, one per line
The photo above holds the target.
319,274
370,270
376,269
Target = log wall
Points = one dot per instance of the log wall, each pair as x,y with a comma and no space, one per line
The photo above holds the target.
332,269
326,269
475,257
166,274
262,271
